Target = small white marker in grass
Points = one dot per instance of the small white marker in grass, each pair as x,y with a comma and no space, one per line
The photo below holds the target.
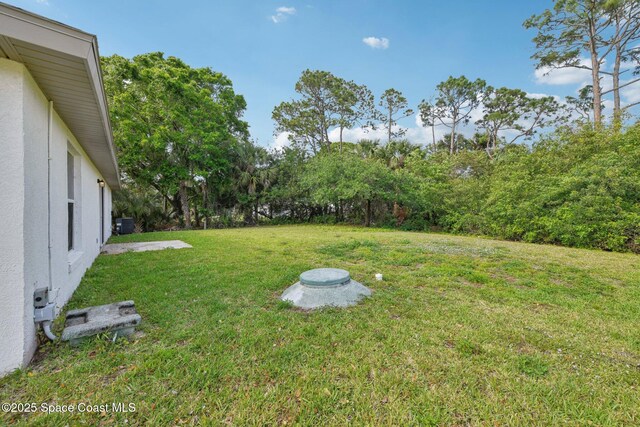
379,276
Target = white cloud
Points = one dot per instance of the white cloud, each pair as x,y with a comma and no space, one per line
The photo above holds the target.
356,134
280,141
541,95
421,135
631,93
416,134
282,13
44,2
563,76
286,10
376,43
608,107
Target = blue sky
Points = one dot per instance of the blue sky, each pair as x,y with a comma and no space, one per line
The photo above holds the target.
264,50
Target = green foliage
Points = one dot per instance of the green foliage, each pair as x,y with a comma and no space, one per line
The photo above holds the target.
575,188
174,126
512,110
336,178
326,102
600,30
142,204
580,190
184,149
394,107
456,98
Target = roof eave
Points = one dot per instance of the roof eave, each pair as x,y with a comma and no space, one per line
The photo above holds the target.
18,24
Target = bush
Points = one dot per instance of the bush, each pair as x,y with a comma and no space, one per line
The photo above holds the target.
574,188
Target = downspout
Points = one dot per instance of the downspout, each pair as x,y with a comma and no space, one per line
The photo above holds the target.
46,324
46,328
49,138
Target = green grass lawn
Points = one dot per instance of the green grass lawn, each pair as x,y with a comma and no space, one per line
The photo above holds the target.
462,331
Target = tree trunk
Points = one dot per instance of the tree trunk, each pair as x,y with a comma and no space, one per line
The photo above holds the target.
433,138
595,76
176,203
255,211
617,107
389,126
184,199
204,205
341,139
492,143
326,137
367,215
452,141
196,214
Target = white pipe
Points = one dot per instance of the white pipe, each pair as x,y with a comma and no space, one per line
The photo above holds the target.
46,327
49,138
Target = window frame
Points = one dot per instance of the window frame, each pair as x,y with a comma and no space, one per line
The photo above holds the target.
74,200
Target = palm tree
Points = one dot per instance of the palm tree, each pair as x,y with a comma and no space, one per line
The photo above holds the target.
368,148
143,205
395,153
253,176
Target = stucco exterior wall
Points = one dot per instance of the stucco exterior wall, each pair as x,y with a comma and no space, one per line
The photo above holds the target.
34,130
11,218
25,215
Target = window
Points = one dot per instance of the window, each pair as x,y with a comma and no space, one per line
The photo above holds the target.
71,203
74,202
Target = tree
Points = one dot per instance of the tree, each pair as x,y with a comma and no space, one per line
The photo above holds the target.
174,125
309,119
285,195
479,141
456,98
333,179
368,148
428,118
582,105
395,153
141,203
512,110
625,15
394,107
354,106
326,103
502,108
596,28
252,178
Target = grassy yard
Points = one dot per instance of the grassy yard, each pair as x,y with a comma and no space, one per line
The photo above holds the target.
462,331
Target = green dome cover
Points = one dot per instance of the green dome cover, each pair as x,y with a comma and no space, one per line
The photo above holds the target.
321,277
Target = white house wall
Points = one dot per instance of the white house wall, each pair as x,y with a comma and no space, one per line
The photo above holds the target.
34,129
24,212
11,217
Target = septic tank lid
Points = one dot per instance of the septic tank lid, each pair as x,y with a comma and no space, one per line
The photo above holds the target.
325,277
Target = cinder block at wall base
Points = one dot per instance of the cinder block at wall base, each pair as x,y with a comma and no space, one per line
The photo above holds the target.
119,319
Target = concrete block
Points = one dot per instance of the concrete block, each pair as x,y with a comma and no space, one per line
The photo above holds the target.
119,319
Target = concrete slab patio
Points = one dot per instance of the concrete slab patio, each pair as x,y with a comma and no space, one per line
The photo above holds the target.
119,248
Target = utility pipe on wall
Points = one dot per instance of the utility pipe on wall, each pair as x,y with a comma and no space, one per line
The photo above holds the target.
49,138
45,315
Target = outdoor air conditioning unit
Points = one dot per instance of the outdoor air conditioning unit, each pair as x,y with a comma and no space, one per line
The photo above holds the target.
124,225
